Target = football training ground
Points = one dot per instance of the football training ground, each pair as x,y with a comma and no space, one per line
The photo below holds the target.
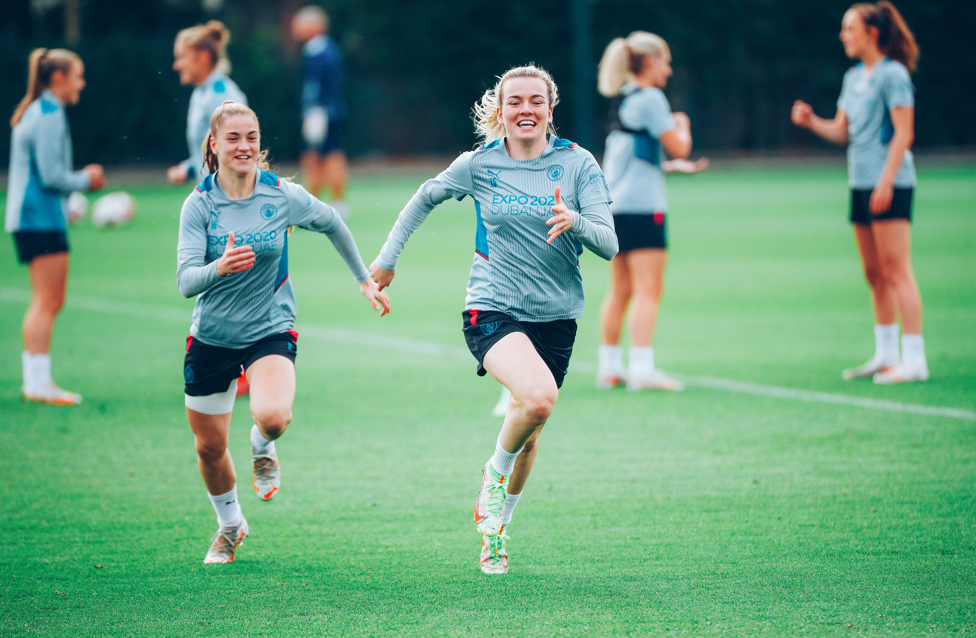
770,498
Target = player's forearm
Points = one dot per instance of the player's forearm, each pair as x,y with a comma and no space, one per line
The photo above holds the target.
593,227
345,245
900,143
833,131
411,217
194,280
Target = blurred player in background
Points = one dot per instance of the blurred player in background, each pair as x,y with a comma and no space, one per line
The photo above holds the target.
634,71
40,180
538,200
323,162
233,256
876,120
199,56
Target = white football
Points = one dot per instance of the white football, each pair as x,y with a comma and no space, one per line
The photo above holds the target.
114,209
77,207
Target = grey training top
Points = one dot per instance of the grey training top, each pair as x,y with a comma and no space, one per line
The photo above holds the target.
215,90
236,310
867,98
40,177
632,159
514,270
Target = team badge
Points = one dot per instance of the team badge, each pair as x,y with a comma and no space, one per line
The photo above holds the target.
554,172
488,328
188,374
268,211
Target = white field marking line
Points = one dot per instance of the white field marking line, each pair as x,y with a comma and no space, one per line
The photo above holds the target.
413,346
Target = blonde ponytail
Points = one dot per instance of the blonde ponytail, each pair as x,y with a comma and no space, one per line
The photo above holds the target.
623,60
485,111
212,38
220,115
41,65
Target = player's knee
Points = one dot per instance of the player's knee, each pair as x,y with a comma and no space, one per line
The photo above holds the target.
211,450
874,276
538,404
274,421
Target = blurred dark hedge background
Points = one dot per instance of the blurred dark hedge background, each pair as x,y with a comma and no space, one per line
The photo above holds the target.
415,67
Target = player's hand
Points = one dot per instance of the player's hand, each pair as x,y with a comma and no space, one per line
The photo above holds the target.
381,276
176,174
685,166
379,300
801,114
561,221
682,120
881,197
96,176
235,258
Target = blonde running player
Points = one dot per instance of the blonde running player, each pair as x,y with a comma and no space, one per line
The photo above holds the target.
634,71
876,120
40,181
233,256
538,200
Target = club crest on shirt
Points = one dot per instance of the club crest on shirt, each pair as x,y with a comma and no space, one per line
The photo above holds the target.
268,211
488,328
554,172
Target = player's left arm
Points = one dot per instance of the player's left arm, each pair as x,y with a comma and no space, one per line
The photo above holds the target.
903,121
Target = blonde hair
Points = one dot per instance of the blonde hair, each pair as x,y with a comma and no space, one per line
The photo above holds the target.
41,65
220,115
895,39
212,38
623,60
485,112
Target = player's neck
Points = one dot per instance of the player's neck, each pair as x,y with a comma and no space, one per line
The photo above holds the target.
518,150
237,186
871,57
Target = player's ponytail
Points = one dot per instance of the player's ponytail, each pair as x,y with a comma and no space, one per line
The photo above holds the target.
895,39
623,60
41,65
485,111
212,38
220,115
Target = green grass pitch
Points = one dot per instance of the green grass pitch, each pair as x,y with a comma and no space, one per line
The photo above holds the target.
768,499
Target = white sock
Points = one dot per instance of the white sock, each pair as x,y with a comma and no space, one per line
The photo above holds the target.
37,370
258,442
886,342
611,361
503,461
228,509
511,500
913,350
641,361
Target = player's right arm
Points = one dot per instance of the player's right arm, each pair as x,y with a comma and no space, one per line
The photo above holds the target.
834,130
455,182
194,275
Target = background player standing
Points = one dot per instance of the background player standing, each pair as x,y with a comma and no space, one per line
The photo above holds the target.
39,183
634,71
538,200
876,120
199,57
323,111
244,315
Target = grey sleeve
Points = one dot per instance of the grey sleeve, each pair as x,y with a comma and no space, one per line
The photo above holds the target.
307,212
193,274
53,164
593,227
430,194
897,87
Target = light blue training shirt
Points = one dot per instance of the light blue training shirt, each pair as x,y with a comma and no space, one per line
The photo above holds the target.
633,155
236,310
514,270
41,175
215,90
867,98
